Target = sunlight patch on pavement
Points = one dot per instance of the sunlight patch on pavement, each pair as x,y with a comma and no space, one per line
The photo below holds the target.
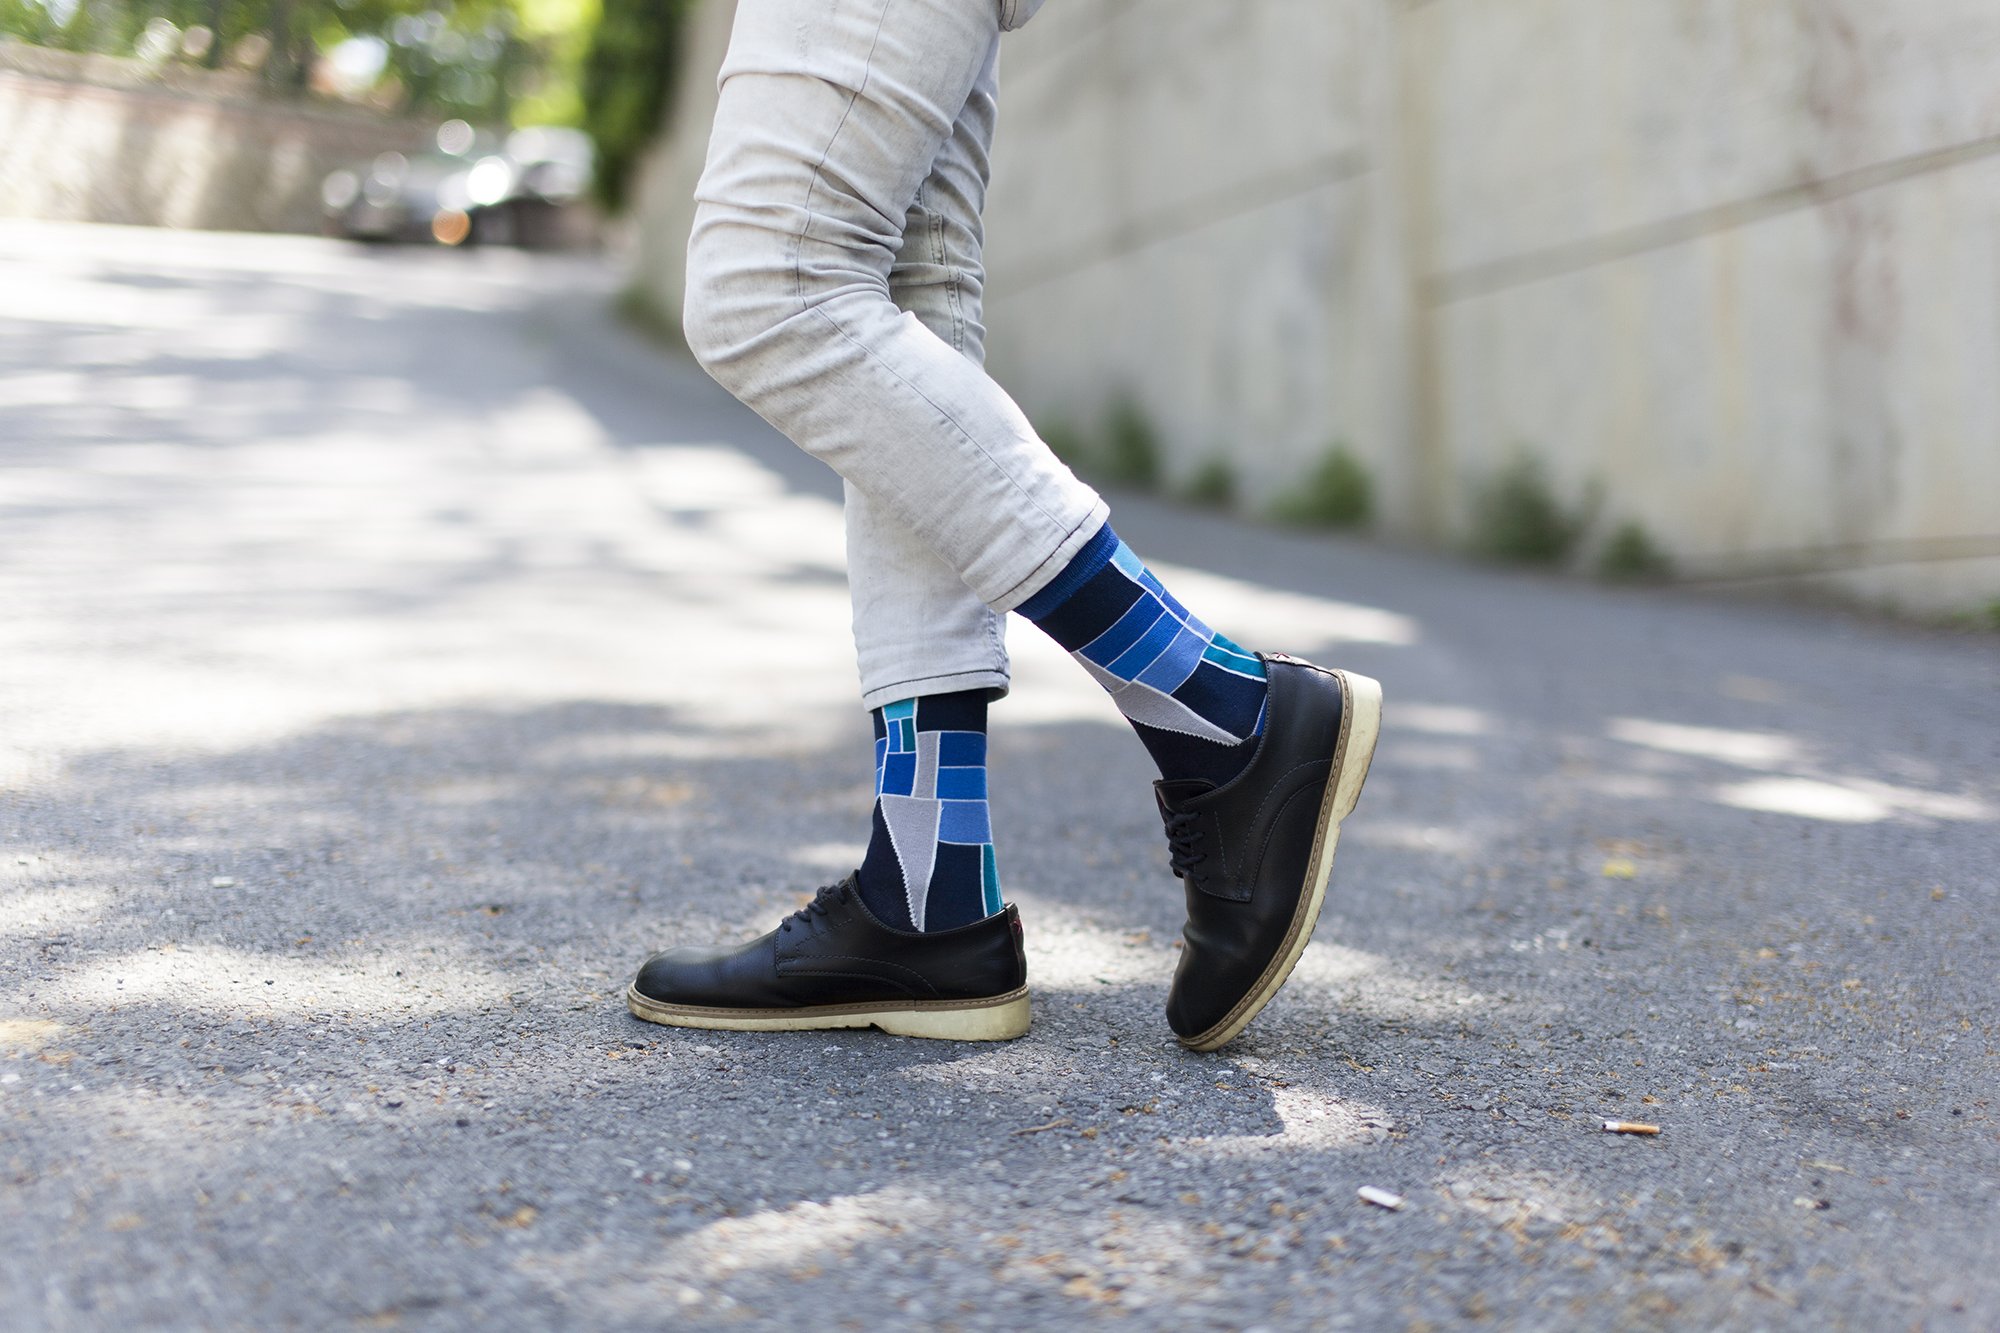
743,507
26,1035
212,979
183,598
1916,801
1274,621
1373,983
703,478
1434,755
1310,1120
792,1236
81,273
1069,952
1803,796
1795,786
801,1239
1849,801
38,911
829,858
1403,835
720,742
21,769
1438,719
1746,749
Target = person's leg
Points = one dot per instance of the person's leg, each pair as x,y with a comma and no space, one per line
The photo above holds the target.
830,118
916,941
918,628
931,653
805,216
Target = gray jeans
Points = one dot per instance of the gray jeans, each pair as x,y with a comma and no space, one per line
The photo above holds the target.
834,285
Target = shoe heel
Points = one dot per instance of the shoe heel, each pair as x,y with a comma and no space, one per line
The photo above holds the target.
1364,726
1001,1019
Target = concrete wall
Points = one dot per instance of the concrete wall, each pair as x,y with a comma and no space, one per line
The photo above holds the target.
1189,206
664,198
97,139
1737,262
1734,267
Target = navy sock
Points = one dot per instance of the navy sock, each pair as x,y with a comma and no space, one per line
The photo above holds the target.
930,859
1195,698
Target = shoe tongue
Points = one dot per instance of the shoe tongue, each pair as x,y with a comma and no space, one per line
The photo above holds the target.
1177,792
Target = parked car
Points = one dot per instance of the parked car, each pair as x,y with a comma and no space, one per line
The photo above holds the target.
529,189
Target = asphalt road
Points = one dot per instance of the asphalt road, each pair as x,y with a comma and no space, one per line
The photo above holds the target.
394,650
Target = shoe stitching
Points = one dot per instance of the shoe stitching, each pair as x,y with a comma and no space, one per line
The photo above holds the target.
914,975
1264,807
1324,827
1293,930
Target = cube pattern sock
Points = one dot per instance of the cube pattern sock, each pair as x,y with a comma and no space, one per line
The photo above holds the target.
1195,698
930,859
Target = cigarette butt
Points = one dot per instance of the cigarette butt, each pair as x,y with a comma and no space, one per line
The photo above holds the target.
1629,1127
1380,1198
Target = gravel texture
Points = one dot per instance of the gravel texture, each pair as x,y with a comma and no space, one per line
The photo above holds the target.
395,651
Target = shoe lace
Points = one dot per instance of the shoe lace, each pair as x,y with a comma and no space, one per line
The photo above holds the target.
823,902
1184,839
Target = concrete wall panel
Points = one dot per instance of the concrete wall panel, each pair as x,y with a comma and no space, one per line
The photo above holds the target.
206,150
1187,207
1736,266
1562,123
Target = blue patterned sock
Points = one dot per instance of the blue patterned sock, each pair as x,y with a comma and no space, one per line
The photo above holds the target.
930,859
1195,698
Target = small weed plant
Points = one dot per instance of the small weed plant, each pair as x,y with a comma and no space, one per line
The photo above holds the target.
1632,556
1131,453
1517,518
1212,486
1337,493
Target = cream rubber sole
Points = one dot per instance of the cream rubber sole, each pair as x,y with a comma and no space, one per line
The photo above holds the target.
1001,1018
1360,726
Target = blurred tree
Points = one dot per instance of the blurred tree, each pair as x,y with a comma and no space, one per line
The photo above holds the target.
479,59
561,30
627,82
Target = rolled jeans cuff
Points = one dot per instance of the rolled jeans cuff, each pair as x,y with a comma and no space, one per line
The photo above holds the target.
993,680
1098,514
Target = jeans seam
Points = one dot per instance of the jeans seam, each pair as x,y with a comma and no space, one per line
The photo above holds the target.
892,691
941,257
1059,545
949,420
799,291
819,167
937,675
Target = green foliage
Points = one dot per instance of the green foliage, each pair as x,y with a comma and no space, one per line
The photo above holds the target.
1337,493
1131,454
636,306
561,31
1066,443
1516,516
627,83
1632,555
1123,451
1213,484
104,27
466,58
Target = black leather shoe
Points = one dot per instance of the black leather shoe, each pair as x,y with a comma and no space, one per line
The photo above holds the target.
833,965
1256,852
